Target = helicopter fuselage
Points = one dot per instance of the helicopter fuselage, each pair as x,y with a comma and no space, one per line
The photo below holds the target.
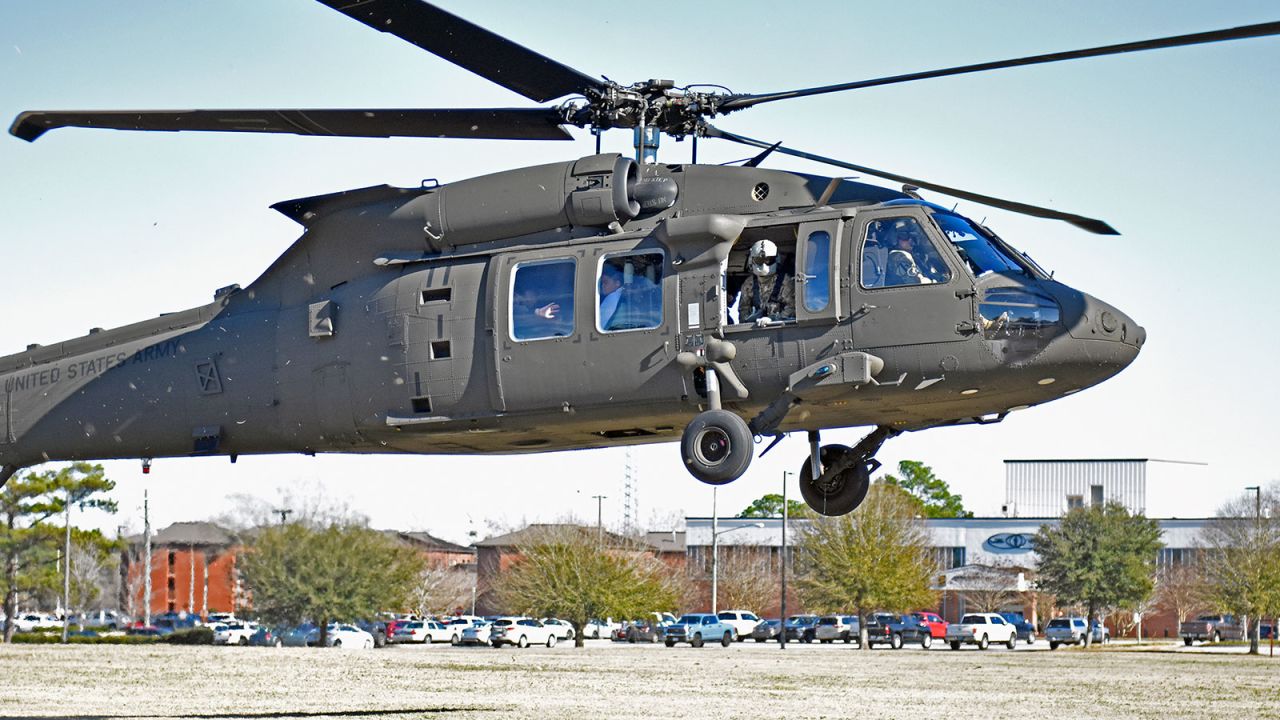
404,321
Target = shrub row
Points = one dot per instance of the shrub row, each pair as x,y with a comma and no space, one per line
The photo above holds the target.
55,638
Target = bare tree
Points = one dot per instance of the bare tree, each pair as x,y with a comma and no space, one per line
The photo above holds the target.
987,588
92,568
441,590
745,578
1181,590
305,503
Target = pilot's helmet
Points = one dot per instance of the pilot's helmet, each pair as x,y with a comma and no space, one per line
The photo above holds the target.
764,258
904,229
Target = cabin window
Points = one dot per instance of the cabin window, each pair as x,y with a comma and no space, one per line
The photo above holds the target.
817,271
542,300
896,252
629,292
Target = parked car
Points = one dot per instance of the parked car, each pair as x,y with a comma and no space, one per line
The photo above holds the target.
376,628
423,631
1211,628
837,627
642,630
396,622
1101,634
1026,630
1065,631
597,628
342,635
477,633
31,622
266,637
562,628
981,629
216,618
521,632
937,626
106,619
766,630
233,633
143,630
697,628
743,622
897,630
801,627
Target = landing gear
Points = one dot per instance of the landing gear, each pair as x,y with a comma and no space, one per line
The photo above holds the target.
843,473
717,447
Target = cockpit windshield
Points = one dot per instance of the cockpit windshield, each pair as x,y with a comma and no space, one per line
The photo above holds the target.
979,251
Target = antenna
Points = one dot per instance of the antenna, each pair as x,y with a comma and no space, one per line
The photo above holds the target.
630,506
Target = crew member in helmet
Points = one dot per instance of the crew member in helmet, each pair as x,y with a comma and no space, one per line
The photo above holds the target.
768,295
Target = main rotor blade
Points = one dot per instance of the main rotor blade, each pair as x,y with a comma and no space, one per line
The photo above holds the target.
1084,223
738,102
487,123
470,46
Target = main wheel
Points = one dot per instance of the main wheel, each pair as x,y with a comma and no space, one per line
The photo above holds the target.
717,447
840,494
727,640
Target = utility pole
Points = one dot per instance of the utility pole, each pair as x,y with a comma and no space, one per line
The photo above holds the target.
715,550
146,582
782,621
284,514
600,517
1255,632
66,575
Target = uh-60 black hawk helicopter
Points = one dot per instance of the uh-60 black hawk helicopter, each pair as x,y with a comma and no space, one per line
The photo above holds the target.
588,303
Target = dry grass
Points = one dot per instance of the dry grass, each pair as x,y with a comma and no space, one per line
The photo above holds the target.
625,681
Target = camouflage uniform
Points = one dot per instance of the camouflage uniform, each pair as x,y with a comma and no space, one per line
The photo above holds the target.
773,297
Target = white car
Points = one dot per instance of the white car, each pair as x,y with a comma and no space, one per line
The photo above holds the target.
221,619
233,633
30,622
596,628
982,629
458,625
476,633
521,632
742,621
562,628
424,631
342,635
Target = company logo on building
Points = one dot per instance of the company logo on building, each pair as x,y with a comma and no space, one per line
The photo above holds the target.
1009,543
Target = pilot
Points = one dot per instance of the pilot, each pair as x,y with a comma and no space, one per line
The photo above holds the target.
610,293
768,294
910,260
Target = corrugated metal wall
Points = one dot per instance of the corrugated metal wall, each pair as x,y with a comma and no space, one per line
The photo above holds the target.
1040,488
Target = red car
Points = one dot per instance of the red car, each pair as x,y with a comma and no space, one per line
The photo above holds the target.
937,626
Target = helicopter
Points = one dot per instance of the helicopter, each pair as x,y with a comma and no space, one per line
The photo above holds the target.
467,317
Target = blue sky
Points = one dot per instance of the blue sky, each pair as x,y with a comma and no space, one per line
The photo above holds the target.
1178,149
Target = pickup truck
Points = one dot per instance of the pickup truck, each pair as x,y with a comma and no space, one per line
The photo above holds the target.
982,629
699,628
1211,628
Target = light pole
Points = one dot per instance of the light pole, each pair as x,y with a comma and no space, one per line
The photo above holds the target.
66,575
600,517
1255,634
782,562
715,550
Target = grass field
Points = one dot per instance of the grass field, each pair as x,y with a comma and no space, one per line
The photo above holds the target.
631,681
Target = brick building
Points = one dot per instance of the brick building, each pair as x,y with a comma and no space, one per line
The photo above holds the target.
193,570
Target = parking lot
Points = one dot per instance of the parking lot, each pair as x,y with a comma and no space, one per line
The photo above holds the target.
618,680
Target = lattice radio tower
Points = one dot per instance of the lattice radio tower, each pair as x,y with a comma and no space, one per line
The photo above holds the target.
630,497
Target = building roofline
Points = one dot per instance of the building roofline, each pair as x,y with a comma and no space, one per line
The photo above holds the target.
1096,460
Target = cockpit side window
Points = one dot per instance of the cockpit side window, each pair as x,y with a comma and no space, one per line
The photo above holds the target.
896,252
981,253
629,292
542,299
817,271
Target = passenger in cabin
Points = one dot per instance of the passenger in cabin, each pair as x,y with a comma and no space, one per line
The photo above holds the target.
768,295
610,294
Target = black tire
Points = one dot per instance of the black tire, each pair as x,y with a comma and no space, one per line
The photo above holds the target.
717,447
847,639
455,640
926,641
337,643
523,642
759,639
955,644
1013,641
895,641
983,643
843,493
697,640
670,643
1217,637
1053,645
727,640
551,640
1187,641
244,641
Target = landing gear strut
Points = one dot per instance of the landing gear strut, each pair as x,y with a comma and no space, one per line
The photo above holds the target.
843,474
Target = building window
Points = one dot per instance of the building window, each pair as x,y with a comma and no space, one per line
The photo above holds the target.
1095,495
949,557
1074,502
